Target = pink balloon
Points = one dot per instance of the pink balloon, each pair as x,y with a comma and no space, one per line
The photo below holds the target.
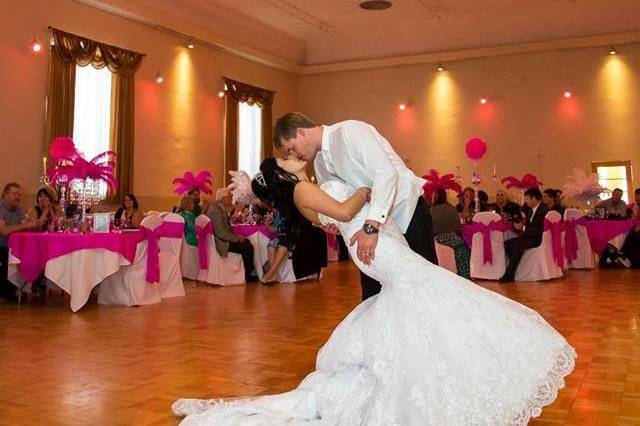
475,149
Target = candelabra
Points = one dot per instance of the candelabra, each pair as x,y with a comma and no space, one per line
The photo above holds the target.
475,180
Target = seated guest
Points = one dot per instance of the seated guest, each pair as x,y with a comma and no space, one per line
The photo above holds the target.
277,250
446,229
483,198
559,199
129,215
45,210
506,208
614,206
186,211
631,247
532,231
11,220
467,205
549,199
195,196
226,240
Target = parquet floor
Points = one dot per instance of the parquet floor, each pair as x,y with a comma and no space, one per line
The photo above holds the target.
124,366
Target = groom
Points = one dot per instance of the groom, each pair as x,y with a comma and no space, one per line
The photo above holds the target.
354,152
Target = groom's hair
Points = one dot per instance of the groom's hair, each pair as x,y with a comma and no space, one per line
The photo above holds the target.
287,125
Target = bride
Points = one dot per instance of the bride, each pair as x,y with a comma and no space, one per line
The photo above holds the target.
431,349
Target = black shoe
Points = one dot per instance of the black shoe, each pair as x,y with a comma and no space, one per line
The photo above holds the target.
506,279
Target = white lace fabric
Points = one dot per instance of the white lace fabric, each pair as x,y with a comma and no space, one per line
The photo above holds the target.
431,349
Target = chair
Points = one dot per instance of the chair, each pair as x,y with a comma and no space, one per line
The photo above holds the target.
498,266
129,286
189,261
538,263
220,270
446,257
171,284
585,253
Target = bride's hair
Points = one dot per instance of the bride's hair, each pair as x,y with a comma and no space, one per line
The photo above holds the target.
274,186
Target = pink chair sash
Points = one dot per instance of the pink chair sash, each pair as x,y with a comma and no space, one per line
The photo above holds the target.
203,253
487,251
556,240
166,230
571,238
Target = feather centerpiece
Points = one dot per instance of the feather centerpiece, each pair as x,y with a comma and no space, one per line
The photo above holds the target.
71,165
188,182
583,187
528,181
240,187
435,181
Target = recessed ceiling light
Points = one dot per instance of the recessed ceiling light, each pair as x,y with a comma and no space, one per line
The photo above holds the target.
375,4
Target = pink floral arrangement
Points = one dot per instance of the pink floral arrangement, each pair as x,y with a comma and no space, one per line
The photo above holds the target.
435,181
527,181
188,182
475,148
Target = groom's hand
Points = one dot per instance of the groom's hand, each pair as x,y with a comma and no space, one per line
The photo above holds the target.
366,244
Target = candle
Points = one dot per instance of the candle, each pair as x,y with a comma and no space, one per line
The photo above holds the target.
44,166
494,170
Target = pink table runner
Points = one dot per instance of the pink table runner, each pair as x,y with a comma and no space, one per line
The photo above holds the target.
246,230
35,249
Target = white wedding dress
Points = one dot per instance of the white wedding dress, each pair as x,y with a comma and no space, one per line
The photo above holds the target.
431,349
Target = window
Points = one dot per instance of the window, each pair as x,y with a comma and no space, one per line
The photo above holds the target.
92,113
612,175
249,137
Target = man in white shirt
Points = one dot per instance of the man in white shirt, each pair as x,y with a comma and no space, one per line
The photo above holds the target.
354,152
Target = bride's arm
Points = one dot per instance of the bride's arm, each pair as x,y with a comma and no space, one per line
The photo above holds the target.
311,200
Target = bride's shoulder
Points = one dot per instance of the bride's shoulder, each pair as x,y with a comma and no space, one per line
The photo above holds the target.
303,188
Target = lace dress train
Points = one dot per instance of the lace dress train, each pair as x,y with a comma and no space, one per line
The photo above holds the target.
431,349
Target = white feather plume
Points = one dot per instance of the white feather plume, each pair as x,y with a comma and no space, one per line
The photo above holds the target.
582,186
240,187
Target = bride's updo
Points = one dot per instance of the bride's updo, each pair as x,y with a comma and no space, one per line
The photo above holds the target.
274,186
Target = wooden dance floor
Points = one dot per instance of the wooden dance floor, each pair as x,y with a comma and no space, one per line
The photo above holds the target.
124,366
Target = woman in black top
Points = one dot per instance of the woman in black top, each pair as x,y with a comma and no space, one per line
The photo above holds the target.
46,209
128,216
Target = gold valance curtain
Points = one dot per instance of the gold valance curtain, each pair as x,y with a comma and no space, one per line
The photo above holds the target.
69,50
241,92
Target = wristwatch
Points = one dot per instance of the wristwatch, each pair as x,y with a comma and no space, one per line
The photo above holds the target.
369,229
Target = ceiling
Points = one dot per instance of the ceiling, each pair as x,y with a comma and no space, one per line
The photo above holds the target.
312,32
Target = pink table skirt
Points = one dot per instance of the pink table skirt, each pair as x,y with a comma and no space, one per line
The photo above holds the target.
600,232
35,249
246,230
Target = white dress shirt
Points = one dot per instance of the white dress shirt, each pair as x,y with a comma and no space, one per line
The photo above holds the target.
533,213
354,152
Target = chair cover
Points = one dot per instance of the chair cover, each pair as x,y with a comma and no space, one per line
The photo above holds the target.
220,270
538,263
584,253
446,257
170,273
189,261
479,268
128,286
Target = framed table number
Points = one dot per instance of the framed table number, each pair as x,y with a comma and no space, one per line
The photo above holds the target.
101,222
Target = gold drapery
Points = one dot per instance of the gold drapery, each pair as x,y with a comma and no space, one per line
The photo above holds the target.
230,138
69,50
241,92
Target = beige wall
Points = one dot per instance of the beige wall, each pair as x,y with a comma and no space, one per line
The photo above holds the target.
178,123
527,124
